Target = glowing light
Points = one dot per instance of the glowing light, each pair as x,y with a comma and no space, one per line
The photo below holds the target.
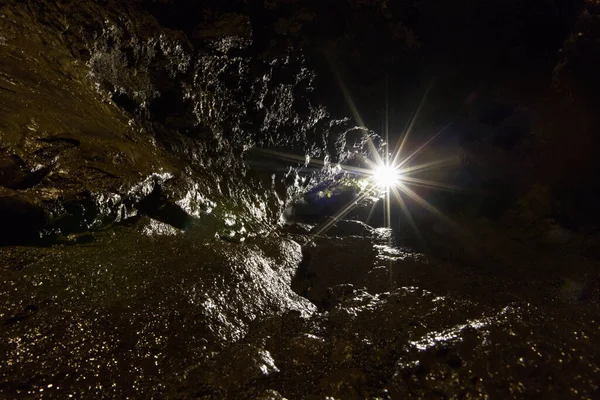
391,172
386,176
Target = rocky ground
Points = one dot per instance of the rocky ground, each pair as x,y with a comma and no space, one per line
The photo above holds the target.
144,311
149,250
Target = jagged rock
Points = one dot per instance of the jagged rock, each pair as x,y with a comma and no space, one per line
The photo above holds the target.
137,304
413,342
126,129
363,259
349,228
132,100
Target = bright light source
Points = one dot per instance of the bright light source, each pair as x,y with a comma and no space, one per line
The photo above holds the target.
386,176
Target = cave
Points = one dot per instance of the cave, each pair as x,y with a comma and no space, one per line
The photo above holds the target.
285,199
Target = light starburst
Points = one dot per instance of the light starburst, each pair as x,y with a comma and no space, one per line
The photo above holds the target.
386,176
390,174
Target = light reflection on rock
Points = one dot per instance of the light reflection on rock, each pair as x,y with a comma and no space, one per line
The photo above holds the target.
157,228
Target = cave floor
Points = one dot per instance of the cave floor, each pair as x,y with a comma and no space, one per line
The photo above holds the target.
142,312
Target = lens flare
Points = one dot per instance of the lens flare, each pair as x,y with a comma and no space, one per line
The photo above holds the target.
386,176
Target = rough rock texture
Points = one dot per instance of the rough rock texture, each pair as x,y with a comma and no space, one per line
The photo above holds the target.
122,150
145,311
138,307
101,109
508,325
155,190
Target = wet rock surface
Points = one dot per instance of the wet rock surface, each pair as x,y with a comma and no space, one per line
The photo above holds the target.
164,235
427,328
147,310
134,309
107,115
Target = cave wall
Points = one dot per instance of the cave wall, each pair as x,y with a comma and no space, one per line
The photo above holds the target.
176,91
107,114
